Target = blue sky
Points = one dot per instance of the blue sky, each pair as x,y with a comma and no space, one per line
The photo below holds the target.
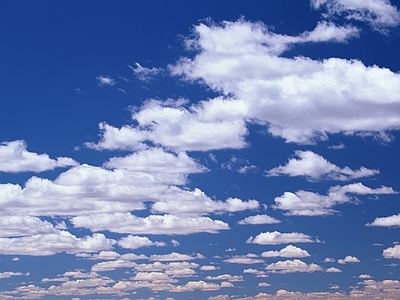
199,149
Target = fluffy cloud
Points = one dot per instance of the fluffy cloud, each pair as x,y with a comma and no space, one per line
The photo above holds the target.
386,221
174,256
378,13
304,203
392,252
226,277
105,80
275,238
11,274
315,167
333,270
292,266
299,99
289,251
247,259
348,259
52,243
135,242
258,219
153,224
14,158
15,226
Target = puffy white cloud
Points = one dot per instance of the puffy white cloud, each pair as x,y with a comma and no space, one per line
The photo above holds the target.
247,259
173,269
275,238
289,251
392,252
174,256
135,242
112,265
259,219
329,260
145,74
52,243
390,221
304,203
14,226
292,266
153,224
200,285
365,276
11,274
333,270
103,80
208,268
348,259
156,160
299,99
14,158
226,277
378,13
315,167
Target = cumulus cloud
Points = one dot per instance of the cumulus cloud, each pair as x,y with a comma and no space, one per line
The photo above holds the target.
292,266
52,243
333,270
275,238
226,277
289,251
135,242
299,99
16,226
103,80
315,167
391,221
244,259
174,256
392,252
348,259
379,14
304,203
259,219
11,274
15,158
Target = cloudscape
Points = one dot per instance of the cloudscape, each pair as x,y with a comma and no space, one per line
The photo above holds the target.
200,149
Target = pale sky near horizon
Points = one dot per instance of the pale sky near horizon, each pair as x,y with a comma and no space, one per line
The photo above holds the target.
199,149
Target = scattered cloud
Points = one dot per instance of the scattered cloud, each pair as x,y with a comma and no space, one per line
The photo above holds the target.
174,256
392,252
337,147
365,276
292,266
258,219
247,259
333,270
348,259
392,221
379,14
15,158
145,74
11,274
275,238
289,251
105,81
315,167
304,203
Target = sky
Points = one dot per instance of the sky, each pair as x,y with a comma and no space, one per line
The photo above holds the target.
199,149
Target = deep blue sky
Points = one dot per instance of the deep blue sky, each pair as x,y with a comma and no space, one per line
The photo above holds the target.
210,133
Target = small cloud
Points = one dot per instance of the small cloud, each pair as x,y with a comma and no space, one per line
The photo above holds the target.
329,260
334,287
143,73
333,270
15,259
208,268
174,243
348,259
337,147
365,276
258,220
105,81
230,250
264,284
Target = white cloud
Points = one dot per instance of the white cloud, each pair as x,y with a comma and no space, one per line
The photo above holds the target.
156,160
153,224
289,251
348,259
304,203
105,80
135,242
264,284
333,270
145,74
16,226
299,99
275,238
329,260
174,256
337,147
256,272
390,221
378,13
226,277
292,266
208,268
244,259
392,252
365,276
15,158
315,167
11,274
52,243
259,219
